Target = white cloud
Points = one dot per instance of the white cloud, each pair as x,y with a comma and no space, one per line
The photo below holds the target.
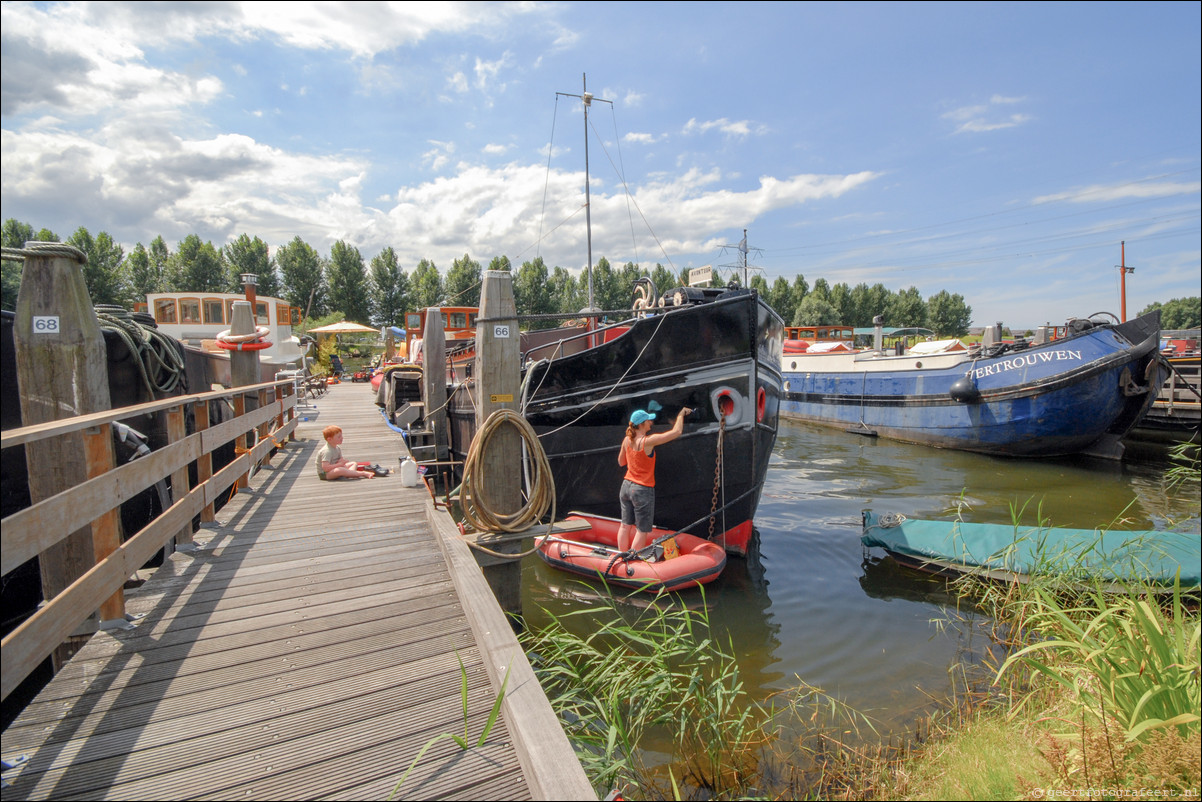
642,139
439,155
984,117
1099,193
731,128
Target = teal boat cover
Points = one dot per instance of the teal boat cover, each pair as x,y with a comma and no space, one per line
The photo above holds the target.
1112,556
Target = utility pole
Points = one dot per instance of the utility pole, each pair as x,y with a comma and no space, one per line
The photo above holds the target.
742,265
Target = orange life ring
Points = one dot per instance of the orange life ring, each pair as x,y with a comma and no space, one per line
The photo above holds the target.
254,341
257,345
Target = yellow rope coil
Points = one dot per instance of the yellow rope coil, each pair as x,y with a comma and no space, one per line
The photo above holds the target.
541,495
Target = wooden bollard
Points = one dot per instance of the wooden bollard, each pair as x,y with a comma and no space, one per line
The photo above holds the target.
498,383
62,372
434,381
244,370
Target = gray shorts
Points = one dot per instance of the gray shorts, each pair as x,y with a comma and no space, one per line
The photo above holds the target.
638,505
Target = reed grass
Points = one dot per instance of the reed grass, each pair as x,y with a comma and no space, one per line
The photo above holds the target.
638,678
464,740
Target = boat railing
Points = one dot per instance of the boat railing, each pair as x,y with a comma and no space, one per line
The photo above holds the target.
650,312
264,413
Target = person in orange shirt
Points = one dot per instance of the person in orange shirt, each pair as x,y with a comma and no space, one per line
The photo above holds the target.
637,495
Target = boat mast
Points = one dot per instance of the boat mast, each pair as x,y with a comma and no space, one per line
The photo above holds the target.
588,206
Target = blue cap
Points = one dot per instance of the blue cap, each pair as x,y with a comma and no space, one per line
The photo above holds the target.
638,416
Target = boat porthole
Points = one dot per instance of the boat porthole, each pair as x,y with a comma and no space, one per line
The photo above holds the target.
727,403
918,364
786,385
761,405
793,365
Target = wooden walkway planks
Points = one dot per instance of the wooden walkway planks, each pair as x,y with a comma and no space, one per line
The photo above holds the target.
308,649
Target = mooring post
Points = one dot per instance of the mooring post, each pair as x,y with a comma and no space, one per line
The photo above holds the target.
244,370
62,372
434,381
498,383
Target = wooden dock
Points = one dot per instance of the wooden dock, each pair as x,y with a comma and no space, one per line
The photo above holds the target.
308,648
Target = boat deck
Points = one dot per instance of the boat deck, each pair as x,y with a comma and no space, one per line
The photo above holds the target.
309,648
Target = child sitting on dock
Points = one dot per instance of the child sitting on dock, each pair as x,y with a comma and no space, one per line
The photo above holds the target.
330,462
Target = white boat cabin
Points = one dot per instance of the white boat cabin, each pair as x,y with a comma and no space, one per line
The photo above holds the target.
196,319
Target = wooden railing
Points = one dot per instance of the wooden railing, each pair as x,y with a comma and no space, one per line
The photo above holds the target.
96,502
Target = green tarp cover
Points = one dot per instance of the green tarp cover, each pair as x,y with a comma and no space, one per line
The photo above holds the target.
1151,555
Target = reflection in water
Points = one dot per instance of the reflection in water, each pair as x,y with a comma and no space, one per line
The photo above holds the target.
810,604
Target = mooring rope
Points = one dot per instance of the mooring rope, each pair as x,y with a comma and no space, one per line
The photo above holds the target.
159,362
45,249
540,496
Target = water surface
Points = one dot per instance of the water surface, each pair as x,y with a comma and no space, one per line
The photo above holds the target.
814,605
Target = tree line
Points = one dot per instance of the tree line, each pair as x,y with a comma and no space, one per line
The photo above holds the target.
379,291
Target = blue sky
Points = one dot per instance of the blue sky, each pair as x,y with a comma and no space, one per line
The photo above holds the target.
998,151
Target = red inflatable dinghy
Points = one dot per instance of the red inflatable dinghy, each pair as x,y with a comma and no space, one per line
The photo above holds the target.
593,552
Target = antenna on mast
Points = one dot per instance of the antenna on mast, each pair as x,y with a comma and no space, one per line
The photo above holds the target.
588,99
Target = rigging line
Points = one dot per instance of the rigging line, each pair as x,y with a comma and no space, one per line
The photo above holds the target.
617,384
622,175
1090,231
632,199
547,177
558,226
1015,210
1025,223
1108,243
928,260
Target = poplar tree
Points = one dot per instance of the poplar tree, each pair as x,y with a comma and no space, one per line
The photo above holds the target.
104,271
425,285
303,277
247,255
389,290
532,292
462,285
347,280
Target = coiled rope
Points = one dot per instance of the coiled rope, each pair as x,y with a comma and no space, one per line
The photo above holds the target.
46,249
540,496
159,361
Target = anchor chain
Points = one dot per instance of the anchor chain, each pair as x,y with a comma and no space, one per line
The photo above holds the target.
717,471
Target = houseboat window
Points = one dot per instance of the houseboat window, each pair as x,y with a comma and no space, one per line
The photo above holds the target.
471,320
141,307
261,317
164,310
282,316
458,320
212,309
189,310
413,321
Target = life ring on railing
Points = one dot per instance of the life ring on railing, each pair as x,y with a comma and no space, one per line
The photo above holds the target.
244,342
250,346
727,402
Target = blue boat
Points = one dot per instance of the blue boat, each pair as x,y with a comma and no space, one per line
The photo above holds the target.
1081,393
1015,553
